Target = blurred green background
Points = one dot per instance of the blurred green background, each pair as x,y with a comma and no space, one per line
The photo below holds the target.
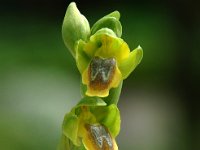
39,81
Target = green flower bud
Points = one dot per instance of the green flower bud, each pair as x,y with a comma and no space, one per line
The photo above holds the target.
75,27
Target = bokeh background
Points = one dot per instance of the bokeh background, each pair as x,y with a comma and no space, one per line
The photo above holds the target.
39,81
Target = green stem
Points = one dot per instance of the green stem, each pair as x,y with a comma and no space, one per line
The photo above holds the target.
114,95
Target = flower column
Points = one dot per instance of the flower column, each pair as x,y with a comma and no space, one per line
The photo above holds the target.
104,60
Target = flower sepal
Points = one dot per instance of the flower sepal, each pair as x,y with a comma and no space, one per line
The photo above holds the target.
128,65
70,127
110,22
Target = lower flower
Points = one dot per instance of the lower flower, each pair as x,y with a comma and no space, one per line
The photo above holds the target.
93,126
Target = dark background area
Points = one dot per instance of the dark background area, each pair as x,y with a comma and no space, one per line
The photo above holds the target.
39,81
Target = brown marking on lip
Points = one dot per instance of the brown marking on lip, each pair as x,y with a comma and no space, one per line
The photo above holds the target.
99,137
101,72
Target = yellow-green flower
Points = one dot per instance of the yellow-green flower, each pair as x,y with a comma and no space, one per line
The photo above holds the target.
104,61
93,124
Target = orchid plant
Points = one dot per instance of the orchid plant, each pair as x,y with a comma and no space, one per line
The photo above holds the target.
104,60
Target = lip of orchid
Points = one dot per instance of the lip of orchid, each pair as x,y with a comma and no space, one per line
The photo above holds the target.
100,136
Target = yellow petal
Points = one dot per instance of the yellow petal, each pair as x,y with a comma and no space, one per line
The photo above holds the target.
112,47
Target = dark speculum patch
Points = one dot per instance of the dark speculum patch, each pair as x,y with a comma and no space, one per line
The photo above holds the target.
101,72
101,137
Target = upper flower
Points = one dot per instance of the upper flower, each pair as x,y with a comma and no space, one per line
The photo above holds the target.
104,61
102,57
